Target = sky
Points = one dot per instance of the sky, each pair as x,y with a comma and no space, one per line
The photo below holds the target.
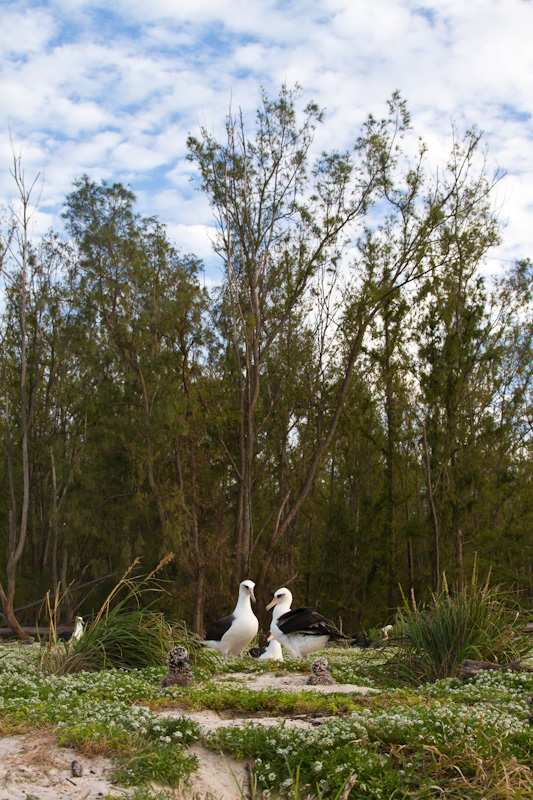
112,90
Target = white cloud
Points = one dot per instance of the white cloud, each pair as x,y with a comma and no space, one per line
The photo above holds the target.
113,89
22,35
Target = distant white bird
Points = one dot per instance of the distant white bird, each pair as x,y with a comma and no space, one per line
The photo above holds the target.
303,630
78,630
320,674
272,651
232,634
386,630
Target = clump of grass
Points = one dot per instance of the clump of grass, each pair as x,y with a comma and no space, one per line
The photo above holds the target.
475,623
266,702
123,633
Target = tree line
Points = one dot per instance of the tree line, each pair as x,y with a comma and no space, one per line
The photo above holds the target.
347,411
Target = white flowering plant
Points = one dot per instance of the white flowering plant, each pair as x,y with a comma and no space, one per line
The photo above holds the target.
103,712
451,739
447,738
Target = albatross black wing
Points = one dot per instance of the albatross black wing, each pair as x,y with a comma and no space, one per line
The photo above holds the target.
218,628
306,620
256,652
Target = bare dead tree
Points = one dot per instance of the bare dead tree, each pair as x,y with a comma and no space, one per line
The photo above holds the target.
18,250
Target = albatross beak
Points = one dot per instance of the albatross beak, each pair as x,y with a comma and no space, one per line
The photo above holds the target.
272,603
251,593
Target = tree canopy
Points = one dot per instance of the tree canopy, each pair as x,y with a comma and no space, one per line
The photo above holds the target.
348,410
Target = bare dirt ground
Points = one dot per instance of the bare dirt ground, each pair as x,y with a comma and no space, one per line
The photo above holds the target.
288,683
33,767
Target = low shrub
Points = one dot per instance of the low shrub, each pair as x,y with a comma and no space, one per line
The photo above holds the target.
123,634
477,623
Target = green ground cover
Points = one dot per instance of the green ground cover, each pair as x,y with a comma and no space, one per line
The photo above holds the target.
440,739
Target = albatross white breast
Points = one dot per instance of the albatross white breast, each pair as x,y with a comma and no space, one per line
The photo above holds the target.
271,651
303,630
230,635
78,630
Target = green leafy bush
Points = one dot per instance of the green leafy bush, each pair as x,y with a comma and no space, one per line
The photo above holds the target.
475,623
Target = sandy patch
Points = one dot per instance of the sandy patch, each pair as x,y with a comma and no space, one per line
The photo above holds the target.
291,683
212,721
219,775
33,767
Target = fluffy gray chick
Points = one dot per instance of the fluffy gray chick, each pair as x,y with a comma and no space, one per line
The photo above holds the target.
320,674
179,672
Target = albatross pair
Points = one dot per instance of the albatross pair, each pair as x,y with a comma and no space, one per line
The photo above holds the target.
302,631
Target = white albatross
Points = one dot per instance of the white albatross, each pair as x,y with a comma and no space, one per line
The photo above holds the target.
272,651
302,631
78,630
232,634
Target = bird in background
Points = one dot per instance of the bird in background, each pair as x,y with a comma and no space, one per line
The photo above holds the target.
320,674
301,631
231,635
78,630
272,651
179,672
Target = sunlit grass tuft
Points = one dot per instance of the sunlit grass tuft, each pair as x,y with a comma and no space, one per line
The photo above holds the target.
123,634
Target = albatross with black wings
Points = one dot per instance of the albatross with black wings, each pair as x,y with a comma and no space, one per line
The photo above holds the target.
230,635
301,630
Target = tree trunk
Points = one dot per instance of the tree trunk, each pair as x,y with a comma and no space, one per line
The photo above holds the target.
198,612
65,589
391,462
460,559
436,534
17,539
8,601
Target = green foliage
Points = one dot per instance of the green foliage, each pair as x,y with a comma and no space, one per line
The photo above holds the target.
464,741
279,416
398,750
475,623
161,758
123,639
99,712
119,636
467,741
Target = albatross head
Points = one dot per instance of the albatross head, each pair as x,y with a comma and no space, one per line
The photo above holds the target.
283,597
247,588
